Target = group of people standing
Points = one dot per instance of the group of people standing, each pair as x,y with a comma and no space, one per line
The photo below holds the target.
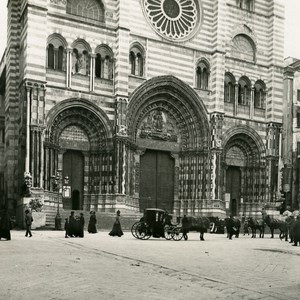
74,225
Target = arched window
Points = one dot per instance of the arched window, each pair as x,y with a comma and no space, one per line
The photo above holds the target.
90,9
244,95
140,64
136,60
104,62
51,63
202,75
259,95
246,4
229,88
56,54
243,47
60,58
98,66
132,63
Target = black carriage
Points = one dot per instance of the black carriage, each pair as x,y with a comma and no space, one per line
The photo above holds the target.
156,223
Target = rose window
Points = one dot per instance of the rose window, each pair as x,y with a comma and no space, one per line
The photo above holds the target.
173,19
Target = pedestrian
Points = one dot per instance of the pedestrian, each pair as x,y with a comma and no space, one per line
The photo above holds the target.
296,231
71,224
66,228
185,227
4,224
28,222
81,226
92,223
231,227
117,229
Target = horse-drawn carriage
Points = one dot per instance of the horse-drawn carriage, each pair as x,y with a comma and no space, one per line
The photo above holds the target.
156,223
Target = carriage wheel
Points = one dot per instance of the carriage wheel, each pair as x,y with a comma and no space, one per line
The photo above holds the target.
133,229
142,231
168,232
177,234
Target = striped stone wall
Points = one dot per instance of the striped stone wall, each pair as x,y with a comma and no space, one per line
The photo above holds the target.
32,23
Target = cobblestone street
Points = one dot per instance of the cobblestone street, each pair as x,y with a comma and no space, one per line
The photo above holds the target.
48,266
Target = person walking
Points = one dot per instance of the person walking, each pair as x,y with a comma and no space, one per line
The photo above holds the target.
28,222
92,223
185,227
72,225
66,228
117,229
231,227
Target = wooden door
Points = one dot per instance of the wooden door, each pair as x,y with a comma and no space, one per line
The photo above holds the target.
157,180
73,163
233,187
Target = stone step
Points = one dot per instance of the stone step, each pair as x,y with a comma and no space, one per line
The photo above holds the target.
105,220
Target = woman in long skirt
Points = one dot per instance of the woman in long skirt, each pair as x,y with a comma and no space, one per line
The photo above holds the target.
117,229
92,223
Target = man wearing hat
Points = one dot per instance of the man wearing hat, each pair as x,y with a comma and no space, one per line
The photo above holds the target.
28,222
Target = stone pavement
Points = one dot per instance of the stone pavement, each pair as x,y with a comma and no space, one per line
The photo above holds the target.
48,266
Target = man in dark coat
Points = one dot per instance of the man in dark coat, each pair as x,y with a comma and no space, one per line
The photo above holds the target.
81,225
4,224
185,227
230,227
92,223
72,224
296,231
28,222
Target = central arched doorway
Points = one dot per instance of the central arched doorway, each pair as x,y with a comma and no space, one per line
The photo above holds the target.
168,123
157,180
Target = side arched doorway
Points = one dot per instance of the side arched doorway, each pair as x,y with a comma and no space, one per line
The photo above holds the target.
233,188
73,167
244,171
76,143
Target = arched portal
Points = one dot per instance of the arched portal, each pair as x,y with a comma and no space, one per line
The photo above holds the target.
77,142
168,122
244,170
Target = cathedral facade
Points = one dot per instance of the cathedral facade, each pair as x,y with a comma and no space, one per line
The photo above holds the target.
174,104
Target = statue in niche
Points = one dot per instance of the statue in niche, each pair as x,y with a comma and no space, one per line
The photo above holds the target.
79,62
157,125
158,121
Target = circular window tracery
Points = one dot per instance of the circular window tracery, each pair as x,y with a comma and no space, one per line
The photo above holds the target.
173,19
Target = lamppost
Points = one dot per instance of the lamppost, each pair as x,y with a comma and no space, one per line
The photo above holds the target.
56,183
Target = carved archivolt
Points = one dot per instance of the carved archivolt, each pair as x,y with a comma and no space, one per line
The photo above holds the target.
165,108
65,115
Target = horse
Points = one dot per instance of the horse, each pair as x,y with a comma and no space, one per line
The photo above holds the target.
255,224
274,223
233,226
199,224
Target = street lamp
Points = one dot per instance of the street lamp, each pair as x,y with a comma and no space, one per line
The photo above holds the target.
56,183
